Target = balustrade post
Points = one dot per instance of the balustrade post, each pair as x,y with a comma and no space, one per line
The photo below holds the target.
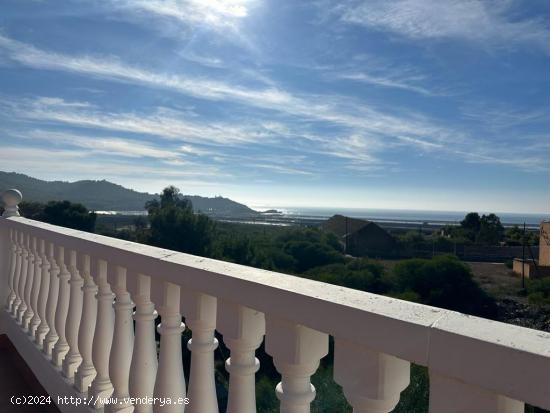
43,327
123,340
296,352
61,347
25,240
243,331
11,199
17,275
73,359
448,395
13,266
53,293
101,387
143,368
170,381
200,314
28,313
37,282
372,381
86,371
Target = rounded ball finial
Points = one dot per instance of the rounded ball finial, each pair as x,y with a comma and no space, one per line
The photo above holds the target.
11,198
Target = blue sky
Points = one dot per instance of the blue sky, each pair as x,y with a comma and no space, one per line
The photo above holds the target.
414,104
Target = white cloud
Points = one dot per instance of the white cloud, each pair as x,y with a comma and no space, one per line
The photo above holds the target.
344,116
111,68
487,22
101,144
163,122
38,161
337,110
221,14
388,81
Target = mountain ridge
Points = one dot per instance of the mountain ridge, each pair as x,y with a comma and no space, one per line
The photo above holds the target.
103,195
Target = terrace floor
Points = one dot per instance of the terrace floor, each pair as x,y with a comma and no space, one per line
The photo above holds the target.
16,379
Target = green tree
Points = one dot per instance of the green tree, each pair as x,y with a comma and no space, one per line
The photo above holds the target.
514,234
175,226
32,210
68,214
491,230
471,225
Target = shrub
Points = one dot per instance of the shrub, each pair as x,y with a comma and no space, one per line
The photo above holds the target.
444,282
360,274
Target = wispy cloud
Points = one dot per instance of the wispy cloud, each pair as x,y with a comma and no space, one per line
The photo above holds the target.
111,68
325,108
354,121
83,163
386,81
490,22
101,144
215,13
162,122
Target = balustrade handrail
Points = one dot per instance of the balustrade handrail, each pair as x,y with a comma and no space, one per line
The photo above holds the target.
508,360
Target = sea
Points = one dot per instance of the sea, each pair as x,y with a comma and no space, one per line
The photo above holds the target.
388,216
409,216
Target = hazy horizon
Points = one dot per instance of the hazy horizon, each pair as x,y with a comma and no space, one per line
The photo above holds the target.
391,104
261,204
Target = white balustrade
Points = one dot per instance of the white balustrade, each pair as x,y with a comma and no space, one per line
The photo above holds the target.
86,371
372,381
143,369
243,331
101,387
38,251
200,315
22,307
452,396
12,269
296,352
62,297
61,347
43,328
123,340
170,382
18,269
51,306
28,313
17,275
73,358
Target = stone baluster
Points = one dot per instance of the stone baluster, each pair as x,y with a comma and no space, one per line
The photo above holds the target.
43,327
101,387
170,381
448,395
123,341
28,313
296,352
25,240
61,347
11,199
12,267
200,314
372,381
243,331
17,277
73,359
144,364
53,294
86,371
37,281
